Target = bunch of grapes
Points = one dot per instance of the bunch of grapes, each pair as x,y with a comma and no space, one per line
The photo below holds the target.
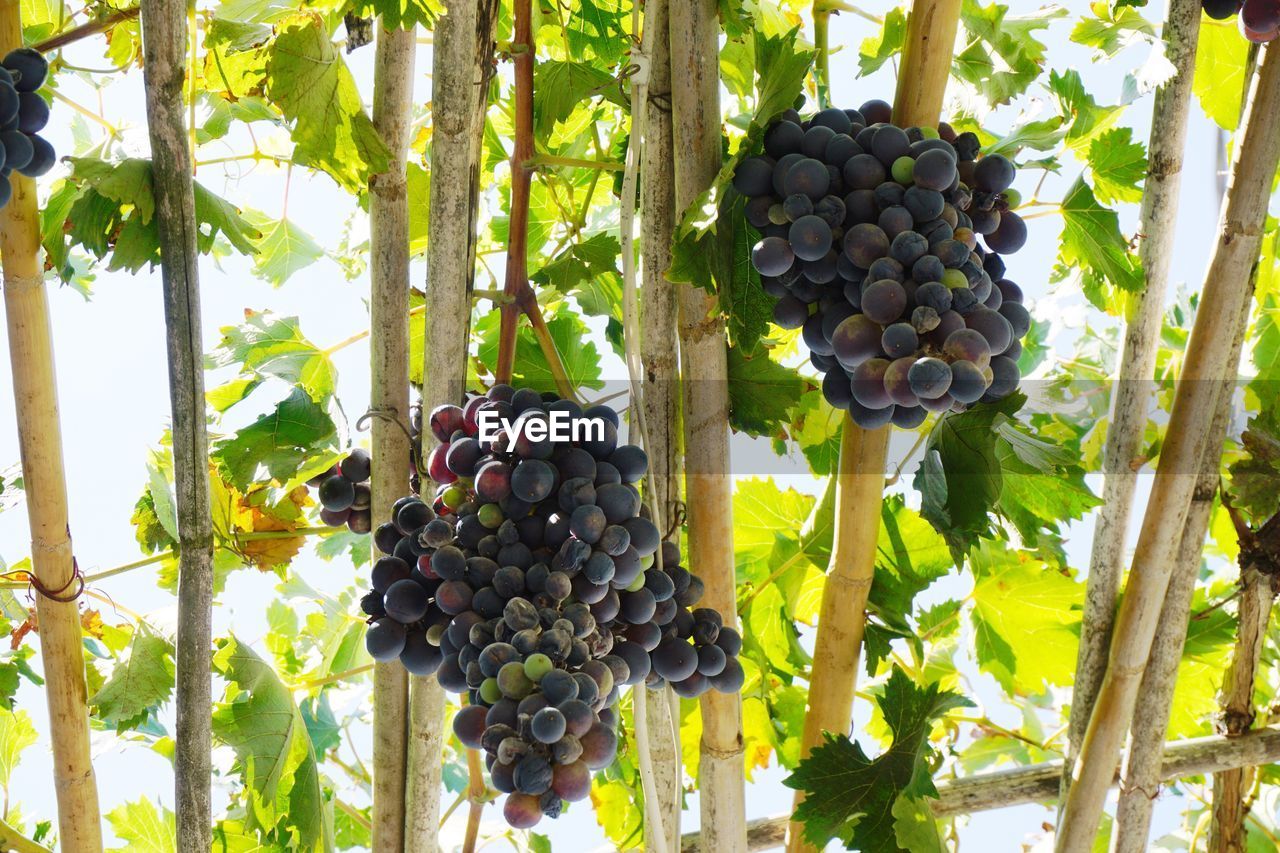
344,492
870,244
1259,19
535,583
23,114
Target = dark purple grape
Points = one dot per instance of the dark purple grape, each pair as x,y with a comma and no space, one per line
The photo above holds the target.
1010,236
1018,316
1220,10
419,656
908,417
968,345
929,378
994,173
406,601
923,204
934,295
572,780
521,811
889,194
674,659
840,149
884,301
855,340
868,384
836,119
895,220
935,169
807,176
863,172
967,382
772,256
811,333
815,141
996,332
908,247
28,68
870,418
810,238
889,144
783,138
860,207
899,340
599,746
385,640
1005,377
754,176
836,388
865,243
337,493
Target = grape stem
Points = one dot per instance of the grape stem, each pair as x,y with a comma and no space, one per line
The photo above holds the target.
476,794
575,162
837,6
517,289
821,41
85,30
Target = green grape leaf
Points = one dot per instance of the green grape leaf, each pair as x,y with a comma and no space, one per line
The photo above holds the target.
762,393
16,734
1255,479
1110,30
278,442
139,684
283,250
1026,619
982,463
1002,57
1119,166
559,86
143,828
266,345
1091,240
878,49
851,796
1084,117
1222,58
588,271
309,82
572,341
419,196
258,719
910,555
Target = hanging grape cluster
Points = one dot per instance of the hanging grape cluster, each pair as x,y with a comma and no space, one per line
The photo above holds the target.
343,491
870,244
530,582
23,114
1259,19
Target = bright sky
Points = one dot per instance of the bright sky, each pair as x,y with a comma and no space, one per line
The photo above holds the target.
112,387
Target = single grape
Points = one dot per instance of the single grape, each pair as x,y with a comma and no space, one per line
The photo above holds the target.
899,340
884,301
994,328
869,385
886,268
908,417
385,639
902,170
863,172
929,378
870,418
783,138
837,388
572,780
810,237
1220,10
897,384
889,144
968,345
406,601
807,176
967,382
934,169
855,340
754,176
1009,236
908,247
1005,377
922,203
29,68
772,256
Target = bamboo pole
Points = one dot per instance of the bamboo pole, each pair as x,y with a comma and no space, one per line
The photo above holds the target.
1205,367
1038,783
1259,565
659,354
1131,393
461,67
164,43
926,63
1141,773
694,32
389,400
35,405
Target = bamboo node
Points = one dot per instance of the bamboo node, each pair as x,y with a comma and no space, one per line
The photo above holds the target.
21,283
61,593
720,753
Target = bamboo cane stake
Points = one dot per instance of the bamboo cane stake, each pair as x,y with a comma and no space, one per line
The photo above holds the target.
926,63
1132,390
659,353
164,42
1038,783
1260,562
694,32
1141,775
461,68
389,399
35,399
1206,365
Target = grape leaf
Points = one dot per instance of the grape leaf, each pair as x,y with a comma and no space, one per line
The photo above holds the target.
278,442
1222,58
400,14
560,85
910,556
761,393
1002,57
852,797
1085,118
1091,240
258,719
282,250
588,271
143,827
16,734
1255,479
876,50
1026,619
307,79
573,342
267,345
1110,30
1118,165
139,684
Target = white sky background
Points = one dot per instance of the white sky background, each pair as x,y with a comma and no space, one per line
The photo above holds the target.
113,391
